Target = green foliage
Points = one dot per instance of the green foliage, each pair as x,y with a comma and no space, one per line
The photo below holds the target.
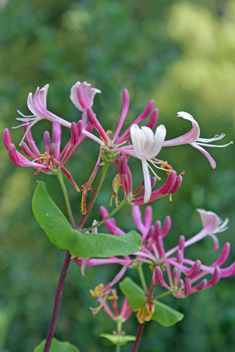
163,314
119,339
63,235
57,346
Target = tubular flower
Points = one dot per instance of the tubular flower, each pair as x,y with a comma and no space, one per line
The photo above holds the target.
82,96
185,276
37,105
147,146
192,137
50,162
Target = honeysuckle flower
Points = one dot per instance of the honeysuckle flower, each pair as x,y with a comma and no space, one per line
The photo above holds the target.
82,96
193,137
37,105
212,224
52,160
147,145
185,276
124,313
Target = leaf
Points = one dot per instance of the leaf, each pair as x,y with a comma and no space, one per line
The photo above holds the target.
134,293
163,314
57,346
119,339
166,315
63,235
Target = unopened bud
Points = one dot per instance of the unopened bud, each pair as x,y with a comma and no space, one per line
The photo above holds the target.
79,127
160,247
27,151
47,140
74,133
202,285
52,149
180,284
149,234
181,243
215,278
175,272
157,230
179,257
187,286
153,181
159,276
166,227
194,270
153,119
6,138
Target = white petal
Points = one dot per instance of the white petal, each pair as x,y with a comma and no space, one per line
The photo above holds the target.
147,181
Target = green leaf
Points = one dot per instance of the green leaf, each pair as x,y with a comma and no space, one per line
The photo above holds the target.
163,314
63,235
57,346
119,339
134,293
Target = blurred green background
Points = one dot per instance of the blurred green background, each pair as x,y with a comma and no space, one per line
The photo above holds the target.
181,54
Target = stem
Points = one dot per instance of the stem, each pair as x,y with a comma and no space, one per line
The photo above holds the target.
142,279
108,217
168,293
58,297
61,181
94,195
138,337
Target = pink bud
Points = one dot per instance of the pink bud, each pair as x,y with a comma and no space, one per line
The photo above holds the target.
201,286
47,140
157,231
74,133
148,216
175,272
159,276
224,255
179,257
166,227
6,138
180,284
153,119
181,243
52,149
79,127
160,247
194,270
215,278
28,152
187,286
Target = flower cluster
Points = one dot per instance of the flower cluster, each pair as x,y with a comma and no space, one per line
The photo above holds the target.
185,276
146,144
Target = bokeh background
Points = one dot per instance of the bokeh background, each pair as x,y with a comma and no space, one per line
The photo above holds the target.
182,54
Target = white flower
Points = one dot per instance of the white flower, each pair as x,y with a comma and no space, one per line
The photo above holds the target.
147,146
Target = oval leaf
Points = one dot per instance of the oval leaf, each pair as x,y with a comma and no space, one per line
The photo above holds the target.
63,235
163,314
57,346
134,293
119,339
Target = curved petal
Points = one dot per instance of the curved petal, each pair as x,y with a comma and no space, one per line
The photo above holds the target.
210,220
187,138
147,181
207,155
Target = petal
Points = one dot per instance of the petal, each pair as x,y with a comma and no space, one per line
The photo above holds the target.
210,220
147,181
137,138
207,155
189,137
159,137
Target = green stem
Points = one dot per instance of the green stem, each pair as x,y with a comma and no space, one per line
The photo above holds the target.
119,331
66,197
94,195
142,279
108,217
168,293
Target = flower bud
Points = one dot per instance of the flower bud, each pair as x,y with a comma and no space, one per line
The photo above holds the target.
187,286
47,140
159,276
166,227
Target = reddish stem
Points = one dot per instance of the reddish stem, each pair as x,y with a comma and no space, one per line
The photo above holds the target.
138,337
58,297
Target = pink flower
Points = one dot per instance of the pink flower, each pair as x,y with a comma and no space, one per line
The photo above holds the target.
192,137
